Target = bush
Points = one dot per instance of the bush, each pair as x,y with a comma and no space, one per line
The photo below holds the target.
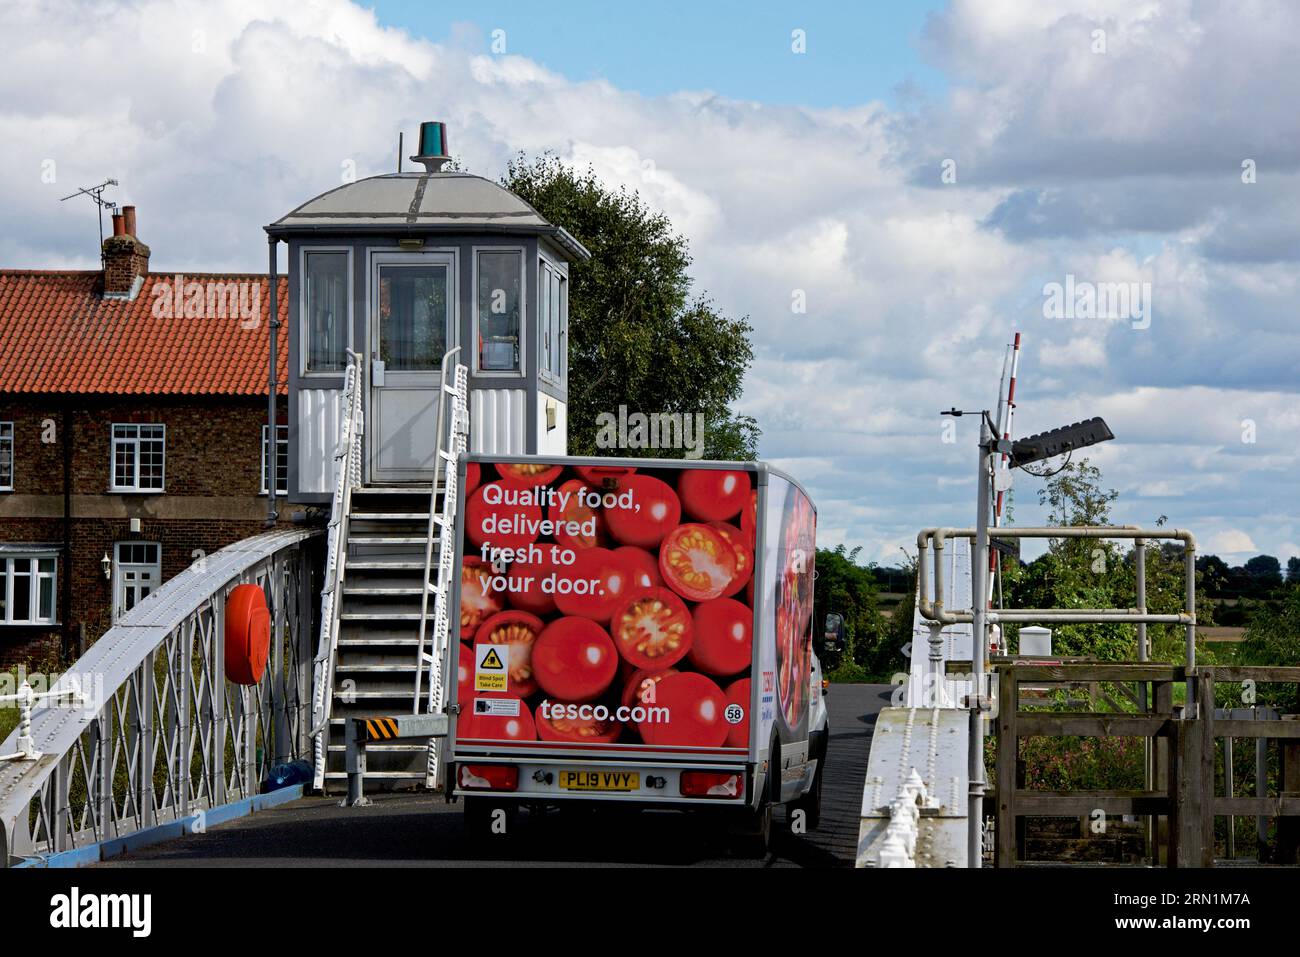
1082,764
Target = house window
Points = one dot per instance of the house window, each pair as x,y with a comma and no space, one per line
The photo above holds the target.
281,460
498,309
27,589
553,320
137,570
6,456
138,458
325,311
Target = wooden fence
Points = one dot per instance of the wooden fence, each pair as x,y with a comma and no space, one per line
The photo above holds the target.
1180,797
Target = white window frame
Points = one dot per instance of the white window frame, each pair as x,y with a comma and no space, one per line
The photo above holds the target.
523,311
559,377
281,442
113,444
7,441
304,327
151,569
33,558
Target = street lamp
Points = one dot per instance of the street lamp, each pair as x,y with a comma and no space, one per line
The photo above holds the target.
107,564
1044,445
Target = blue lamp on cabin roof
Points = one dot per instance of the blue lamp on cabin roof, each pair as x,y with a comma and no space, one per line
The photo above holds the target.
433,146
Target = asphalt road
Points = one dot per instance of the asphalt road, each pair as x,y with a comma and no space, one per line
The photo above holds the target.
421,830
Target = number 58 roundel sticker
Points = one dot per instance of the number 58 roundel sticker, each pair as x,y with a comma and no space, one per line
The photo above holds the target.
734,714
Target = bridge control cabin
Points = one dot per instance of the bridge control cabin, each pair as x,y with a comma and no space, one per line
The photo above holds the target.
399,269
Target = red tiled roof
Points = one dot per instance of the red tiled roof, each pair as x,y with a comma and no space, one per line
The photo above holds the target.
57,334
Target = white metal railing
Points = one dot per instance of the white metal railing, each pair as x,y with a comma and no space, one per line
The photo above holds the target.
144,728
26,699
347,476
442,524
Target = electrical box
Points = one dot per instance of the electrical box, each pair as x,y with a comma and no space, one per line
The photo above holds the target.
1036,641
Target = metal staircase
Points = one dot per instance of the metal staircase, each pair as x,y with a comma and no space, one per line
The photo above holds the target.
378,629
381,585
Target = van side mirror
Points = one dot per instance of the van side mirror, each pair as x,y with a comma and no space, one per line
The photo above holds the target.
833,632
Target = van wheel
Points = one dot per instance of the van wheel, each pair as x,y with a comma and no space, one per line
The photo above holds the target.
753,838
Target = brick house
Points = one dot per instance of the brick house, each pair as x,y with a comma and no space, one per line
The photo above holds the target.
133,413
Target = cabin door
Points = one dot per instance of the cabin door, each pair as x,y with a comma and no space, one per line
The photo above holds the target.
412,324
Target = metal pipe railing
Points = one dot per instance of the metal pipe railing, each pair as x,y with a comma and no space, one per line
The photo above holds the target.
935,610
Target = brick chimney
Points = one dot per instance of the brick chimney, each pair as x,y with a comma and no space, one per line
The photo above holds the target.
126,259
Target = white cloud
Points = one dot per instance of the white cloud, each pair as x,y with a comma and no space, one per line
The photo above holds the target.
1119,166
1077,353
1231,542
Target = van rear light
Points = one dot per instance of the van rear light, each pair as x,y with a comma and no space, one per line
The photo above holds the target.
489,777
712,784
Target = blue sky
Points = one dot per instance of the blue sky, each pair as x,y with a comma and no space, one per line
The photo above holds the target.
1096,139
857,52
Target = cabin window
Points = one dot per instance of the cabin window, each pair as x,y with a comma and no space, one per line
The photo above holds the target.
325,311
553,320
499,309
414,313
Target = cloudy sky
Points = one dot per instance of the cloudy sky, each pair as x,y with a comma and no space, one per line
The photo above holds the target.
919,174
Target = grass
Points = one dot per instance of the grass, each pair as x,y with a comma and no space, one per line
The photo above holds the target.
8,718
849,672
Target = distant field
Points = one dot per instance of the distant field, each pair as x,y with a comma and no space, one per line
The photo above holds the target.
1221,633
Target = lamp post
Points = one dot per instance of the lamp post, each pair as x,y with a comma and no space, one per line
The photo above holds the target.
978,700
1034,448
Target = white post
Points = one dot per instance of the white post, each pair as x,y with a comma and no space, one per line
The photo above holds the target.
26,746
979,643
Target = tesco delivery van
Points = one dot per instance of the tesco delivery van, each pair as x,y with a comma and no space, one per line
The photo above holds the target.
635,631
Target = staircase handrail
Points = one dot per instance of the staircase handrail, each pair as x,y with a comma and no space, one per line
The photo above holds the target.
347,468
441,525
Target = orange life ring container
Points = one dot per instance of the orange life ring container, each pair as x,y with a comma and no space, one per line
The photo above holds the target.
248,634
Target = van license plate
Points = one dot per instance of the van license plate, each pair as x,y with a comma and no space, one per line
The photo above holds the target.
600,780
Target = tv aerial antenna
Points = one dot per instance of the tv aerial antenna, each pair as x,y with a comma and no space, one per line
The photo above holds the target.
96,193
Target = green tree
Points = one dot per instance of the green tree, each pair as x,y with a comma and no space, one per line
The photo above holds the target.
898,630
1273,638
1216,574
638,335
1265,571
849,589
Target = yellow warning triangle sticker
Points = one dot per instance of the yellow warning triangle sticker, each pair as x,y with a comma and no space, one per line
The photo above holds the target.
492,660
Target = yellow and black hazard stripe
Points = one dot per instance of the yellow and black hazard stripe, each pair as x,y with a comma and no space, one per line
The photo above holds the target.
378,729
